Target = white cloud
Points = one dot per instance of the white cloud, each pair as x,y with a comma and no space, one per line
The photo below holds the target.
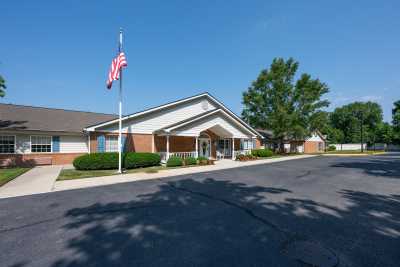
373,98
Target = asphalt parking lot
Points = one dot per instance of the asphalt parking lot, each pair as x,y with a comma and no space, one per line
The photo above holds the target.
322,211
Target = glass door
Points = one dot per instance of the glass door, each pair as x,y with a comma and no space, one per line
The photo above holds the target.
225,147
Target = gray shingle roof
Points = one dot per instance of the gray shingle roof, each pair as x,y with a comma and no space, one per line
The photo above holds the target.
18,117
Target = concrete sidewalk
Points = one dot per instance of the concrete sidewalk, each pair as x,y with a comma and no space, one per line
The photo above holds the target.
124,178
38,180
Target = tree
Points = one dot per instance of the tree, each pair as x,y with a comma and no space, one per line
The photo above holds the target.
384,133
396,122
2,87
290,109
357,116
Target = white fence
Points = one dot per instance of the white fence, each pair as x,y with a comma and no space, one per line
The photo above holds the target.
183,155
348,146
386,147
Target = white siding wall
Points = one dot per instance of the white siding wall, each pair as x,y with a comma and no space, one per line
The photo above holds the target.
68,143
211,121
73,144
147,124
315,138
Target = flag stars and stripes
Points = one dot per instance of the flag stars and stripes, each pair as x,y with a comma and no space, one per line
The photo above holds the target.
116,65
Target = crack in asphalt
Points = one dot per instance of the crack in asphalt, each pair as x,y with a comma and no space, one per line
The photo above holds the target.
90,212
307,173
288,237
232,204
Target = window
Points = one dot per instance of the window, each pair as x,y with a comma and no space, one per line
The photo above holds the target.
7,144
247,144
112,143
40,144
320,146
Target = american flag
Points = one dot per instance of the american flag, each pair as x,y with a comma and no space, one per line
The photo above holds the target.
116,65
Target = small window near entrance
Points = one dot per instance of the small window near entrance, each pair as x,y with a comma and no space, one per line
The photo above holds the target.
247,144
112,143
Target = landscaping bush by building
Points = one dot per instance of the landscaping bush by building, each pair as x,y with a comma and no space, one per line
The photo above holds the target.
203,160
139,160
331,148
97,161
262,153
174,162
245,157
190,161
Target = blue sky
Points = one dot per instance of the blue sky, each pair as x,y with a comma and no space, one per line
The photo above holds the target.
57,53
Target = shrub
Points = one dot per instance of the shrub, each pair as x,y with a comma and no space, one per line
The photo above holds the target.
245,157
174,162
97,161
139,160
203,160
190,161
331,148
262,153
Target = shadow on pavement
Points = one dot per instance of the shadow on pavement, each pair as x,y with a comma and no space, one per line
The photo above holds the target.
374,166
220,223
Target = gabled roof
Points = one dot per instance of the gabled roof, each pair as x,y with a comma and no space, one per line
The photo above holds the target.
199,117
189,120
184,100
29,118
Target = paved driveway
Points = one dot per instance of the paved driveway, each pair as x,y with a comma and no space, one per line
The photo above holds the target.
324,211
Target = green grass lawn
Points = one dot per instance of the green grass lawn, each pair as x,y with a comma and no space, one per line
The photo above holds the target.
69,174
8,174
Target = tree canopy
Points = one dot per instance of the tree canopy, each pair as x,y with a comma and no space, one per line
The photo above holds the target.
2,87
349,119
289,108
396,121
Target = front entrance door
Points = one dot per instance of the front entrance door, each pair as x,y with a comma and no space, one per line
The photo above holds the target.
204,147
225,147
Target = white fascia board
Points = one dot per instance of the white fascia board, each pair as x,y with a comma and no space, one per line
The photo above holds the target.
93,128
217,111
234,115
195,119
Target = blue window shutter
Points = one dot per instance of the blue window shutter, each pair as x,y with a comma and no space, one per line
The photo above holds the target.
123,143
241,144
254,144
56,144
101,143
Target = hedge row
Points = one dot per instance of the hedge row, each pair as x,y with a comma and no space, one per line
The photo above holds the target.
106,161
177,161
262,153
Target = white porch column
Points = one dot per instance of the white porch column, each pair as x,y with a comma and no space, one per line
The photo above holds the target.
197,146
233,148
167,154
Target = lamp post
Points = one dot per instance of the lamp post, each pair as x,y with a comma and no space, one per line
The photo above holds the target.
362,131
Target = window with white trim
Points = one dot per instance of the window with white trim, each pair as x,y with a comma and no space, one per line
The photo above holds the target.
111,143
40,144
7,144
247,144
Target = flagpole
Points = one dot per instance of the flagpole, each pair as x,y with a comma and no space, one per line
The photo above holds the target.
120,109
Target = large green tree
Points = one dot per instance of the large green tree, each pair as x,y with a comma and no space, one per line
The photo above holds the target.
289,108
349,119
2,87
396,121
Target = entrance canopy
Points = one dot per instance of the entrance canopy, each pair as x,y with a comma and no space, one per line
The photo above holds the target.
217,121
